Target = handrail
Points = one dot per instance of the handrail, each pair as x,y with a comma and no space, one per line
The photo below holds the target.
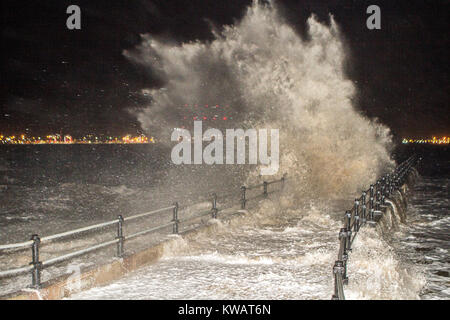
80,230
365,208
147,213
134,235
78,253
12,272
16,245
36,266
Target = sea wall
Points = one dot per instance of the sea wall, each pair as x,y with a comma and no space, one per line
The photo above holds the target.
395,208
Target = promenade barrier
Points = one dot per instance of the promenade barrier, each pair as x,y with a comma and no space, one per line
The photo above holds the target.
367,210
36,265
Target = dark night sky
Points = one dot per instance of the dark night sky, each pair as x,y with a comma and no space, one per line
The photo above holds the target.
54,79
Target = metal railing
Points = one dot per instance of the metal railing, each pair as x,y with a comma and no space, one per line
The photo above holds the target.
366,210
36,266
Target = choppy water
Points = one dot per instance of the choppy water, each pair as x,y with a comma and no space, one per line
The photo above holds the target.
425,240
265,255
283,249
279,253
45,189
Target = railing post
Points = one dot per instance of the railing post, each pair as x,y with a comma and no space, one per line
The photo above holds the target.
265,189
378,202
214,206
343,240
377,207
343,235
338,268
356,215
371,203
388,184
363,208
175,218
243,200
344,276
37,265
348,216
371,194
395,181
120,236
391,184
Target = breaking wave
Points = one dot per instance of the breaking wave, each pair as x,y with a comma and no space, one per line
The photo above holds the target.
272,78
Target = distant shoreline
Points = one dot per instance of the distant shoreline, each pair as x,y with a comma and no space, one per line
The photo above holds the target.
67,144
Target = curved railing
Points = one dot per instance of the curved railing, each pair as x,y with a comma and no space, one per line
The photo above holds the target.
366,210
36,266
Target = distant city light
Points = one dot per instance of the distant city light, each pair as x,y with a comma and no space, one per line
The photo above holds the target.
68,139
434,140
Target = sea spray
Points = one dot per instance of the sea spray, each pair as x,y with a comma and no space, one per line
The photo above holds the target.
272,78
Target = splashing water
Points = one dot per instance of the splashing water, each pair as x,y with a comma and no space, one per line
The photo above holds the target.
272,253
272,78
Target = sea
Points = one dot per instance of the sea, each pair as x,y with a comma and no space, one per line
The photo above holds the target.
281,249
